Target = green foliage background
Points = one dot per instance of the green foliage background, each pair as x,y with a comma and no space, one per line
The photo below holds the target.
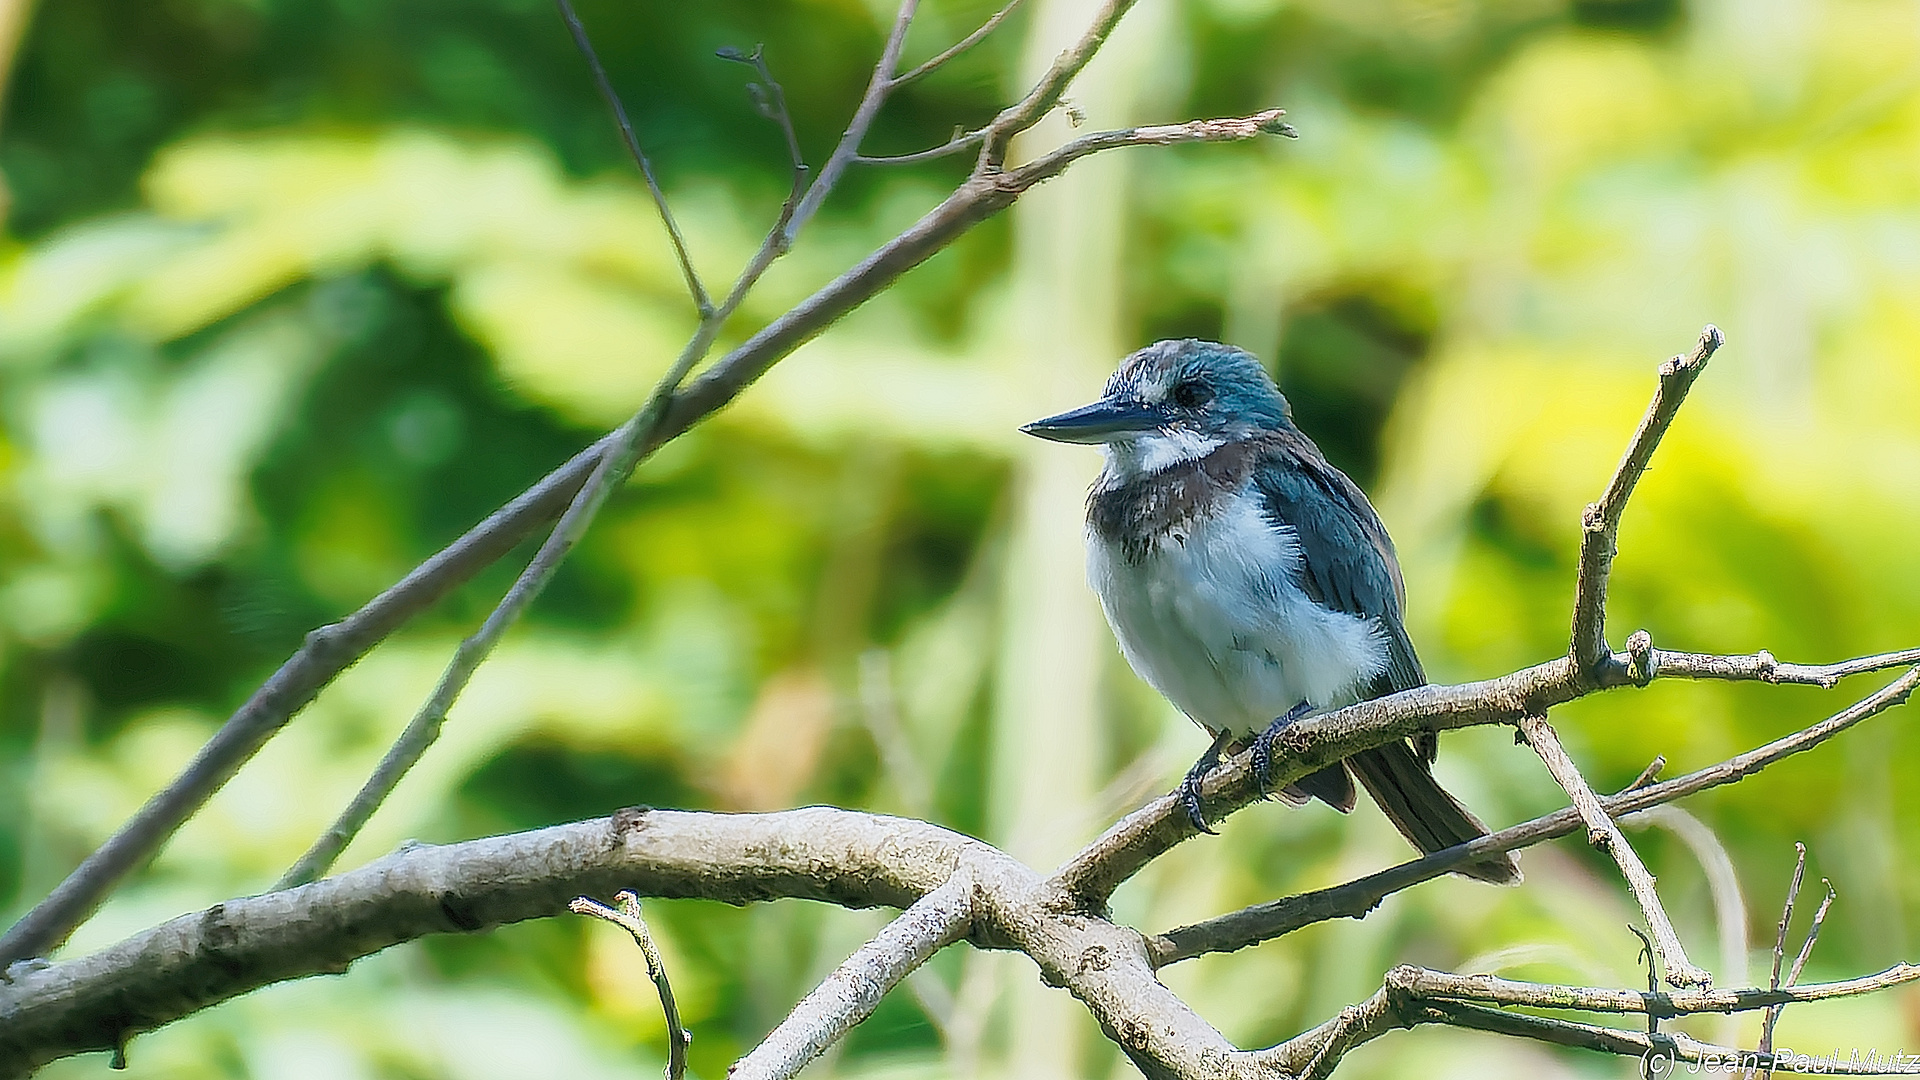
293,291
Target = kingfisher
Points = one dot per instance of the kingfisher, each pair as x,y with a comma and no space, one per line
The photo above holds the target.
1250,581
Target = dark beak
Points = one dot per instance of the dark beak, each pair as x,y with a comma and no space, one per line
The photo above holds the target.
1106,420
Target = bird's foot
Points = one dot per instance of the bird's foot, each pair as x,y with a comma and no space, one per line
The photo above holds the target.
1189,792
1263,746
1189,789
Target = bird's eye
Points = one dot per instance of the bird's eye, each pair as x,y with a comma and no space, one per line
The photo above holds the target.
1192,394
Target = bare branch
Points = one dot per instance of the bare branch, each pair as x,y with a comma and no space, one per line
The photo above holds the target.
1354,899
1813,934
1647,774
1410,996
326,652
1761,666
848,148
1800,961
980,34
854,989
1428,985
179,967
1226,129
1356,1024
1659,1051
1605,834
1600,525
1047,92
959,142
627,917
701,301
1317,741
1780,941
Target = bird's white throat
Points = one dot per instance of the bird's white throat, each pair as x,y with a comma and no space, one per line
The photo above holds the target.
1153,451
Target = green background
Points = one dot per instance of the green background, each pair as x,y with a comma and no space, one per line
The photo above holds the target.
291,293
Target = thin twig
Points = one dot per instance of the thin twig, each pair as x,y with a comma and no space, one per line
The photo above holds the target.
1426,984
1046,93
324,654
701,301
1813,934
1354,899
770,98
627,917
1780,940
959,142
1660,1052
1604,833
1799,962
1411,995
929,67
1762,667
1600,524
1229,129
424,729
1647,774
1723,887
863,116
854,989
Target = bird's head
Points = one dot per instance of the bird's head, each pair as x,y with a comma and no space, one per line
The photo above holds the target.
1174,401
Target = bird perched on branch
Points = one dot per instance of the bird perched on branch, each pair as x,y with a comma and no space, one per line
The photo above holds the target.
1250,581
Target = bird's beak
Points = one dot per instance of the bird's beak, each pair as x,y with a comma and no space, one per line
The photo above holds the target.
1106,420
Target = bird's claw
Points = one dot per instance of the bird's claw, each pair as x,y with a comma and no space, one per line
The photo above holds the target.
1263,745
1189,792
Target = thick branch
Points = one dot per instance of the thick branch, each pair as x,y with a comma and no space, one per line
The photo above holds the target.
850,994
1354,899
1600,525
180,967
1605,834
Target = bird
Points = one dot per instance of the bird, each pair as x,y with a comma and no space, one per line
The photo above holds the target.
1250,581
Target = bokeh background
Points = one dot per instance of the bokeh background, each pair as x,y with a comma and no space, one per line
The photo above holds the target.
293,291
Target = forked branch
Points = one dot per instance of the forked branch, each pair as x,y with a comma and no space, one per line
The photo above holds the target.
1600,525
1605,834
627,917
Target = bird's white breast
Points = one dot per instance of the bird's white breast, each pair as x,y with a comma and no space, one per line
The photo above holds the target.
1214,618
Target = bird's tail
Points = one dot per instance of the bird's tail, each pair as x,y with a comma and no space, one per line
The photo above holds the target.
1403,784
